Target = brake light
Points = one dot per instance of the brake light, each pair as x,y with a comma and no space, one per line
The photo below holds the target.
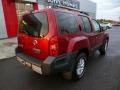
54,46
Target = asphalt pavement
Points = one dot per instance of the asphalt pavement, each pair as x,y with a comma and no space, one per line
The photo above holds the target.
103,73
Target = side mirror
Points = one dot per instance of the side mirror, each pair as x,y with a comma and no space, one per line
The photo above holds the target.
103,28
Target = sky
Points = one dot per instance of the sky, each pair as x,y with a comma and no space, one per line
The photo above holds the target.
108,9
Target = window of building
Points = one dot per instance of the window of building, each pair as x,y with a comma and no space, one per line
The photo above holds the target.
22,8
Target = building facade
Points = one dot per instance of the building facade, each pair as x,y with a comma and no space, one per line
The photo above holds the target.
89,7
11,12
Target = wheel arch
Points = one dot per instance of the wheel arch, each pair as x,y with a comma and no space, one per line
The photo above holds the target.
84,50
79,44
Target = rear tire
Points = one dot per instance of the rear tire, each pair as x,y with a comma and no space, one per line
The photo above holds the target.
103,48
78,68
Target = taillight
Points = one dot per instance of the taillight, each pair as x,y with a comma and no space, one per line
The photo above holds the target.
54,46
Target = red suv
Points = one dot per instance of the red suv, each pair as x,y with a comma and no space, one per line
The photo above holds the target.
59,41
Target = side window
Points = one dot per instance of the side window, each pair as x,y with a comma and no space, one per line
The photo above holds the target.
96,25
81,23
66,22
85,23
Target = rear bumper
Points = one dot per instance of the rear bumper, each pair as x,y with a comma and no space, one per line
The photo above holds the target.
50,65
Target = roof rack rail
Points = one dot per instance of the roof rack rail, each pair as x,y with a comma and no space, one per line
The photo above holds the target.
84,12
69,8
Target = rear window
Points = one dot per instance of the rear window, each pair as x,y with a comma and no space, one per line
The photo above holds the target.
35,25
66,22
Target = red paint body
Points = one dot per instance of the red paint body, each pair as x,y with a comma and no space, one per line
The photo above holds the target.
55,43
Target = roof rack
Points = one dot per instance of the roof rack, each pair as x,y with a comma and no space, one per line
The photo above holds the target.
69,8
84,12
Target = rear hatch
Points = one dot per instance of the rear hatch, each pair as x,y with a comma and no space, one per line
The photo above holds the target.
32,39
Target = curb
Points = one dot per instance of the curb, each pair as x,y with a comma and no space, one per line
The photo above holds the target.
5,59
8,38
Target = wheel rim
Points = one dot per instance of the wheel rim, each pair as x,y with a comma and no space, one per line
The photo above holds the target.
80,66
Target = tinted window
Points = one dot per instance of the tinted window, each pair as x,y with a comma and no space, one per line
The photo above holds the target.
81,23
66,22
85,23
96,26
35,25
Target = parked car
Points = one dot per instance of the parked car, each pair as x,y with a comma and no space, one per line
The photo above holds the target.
54,41
106,26
116,24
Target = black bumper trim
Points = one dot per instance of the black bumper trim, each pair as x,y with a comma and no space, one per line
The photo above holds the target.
50,65
28,58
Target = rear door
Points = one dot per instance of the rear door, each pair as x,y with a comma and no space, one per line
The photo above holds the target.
33,30
68,29
87,30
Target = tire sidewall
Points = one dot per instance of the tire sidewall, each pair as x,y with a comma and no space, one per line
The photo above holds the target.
75,75
103,48
106,43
